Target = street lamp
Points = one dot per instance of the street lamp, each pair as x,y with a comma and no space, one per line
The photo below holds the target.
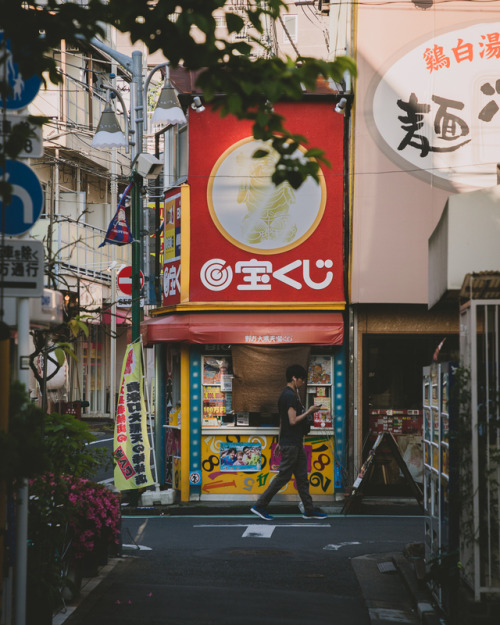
167,112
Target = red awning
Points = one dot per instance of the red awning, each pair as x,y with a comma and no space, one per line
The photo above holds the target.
122,317
250,328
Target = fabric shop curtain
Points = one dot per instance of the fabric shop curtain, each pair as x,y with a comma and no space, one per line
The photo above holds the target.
260,375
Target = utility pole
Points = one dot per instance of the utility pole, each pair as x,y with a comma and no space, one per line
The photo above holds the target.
137,105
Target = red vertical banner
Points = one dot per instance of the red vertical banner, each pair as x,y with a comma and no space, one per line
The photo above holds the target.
172,250
131,446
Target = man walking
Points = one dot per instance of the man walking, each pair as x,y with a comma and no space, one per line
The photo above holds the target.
293,427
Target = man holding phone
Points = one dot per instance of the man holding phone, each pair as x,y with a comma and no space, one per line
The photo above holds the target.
294,425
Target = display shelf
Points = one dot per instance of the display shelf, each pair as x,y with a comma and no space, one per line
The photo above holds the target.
242,430
319,390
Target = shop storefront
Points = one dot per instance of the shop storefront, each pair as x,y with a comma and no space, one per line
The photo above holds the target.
395,343
221,427
252,283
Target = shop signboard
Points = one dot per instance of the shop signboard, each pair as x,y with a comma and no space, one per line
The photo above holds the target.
427,126
172,249
253,242
248,465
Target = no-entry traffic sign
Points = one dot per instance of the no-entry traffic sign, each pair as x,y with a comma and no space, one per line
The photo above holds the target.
124,280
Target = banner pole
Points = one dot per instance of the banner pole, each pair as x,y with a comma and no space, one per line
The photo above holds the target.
148,408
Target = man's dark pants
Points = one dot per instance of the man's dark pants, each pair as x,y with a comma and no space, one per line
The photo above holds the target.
293,462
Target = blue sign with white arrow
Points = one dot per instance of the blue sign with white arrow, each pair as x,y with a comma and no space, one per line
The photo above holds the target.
23,91
25,206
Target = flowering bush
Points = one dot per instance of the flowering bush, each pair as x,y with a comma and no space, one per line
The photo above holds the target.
66,505
95,513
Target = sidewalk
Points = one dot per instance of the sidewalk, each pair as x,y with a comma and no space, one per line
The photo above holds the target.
392,591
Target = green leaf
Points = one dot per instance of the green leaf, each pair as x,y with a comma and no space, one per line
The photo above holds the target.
314,153
255,18
60,356
234,23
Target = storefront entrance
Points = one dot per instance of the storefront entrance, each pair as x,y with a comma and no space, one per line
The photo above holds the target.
392,401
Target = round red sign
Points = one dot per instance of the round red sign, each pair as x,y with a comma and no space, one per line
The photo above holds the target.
124,280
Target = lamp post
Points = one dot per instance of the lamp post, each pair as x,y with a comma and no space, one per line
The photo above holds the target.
108,136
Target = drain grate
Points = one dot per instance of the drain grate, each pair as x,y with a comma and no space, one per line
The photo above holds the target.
386,567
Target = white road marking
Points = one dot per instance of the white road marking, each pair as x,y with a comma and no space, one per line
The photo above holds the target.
264,530
340,545
137,547
259,531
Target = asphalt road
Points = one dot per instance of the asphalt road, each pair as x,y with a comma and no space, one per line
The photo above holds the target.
103,439
228,570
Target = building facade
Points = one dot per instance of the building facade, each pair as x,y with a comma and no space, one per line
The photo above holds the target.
253,281
424,127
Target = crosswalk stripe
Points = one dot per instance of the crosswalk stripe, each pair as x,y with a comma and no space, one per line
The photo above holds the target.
263,530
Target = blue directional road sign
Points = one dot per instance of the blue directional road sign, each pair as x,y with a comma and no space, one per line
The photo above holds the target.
26,203
23,91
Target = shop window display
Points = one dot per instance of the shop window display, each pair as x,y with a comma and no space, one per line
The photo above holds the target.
240,422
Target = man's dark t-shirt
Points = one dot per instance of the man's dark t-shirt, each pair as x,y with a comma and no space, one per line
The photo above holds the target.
291,434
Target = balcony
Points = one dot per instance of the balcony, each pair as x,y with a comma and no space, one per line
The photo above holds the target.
75,250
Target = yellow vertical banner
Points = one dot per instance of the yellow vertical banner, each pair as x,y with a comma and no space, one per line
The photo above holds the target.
131,447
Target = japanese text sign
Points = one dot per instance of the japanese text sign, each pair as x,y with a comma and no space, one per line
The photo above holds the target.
172,250
438,106
252,241
131,446
21,268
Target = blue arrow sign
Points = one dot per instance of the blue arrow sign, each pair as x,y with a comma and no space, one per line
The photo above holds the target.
26,202
23,91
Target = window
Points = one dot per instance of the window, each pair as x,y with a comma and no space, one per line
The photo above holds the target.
176,147
289,23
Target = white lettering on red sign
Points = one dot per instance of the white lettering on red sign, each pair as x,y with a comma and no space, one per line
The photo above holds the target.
269,340
256,275
171,280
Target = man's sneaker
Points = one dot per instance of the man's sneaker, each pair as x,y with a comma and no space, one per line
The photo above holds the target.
315,514
262,512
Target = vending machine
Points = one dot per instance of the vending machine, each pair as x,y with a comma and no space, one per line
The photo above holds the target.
440,482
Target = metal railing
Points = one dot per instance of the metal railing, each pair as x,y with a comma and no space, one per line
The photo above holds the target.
75,246
480,440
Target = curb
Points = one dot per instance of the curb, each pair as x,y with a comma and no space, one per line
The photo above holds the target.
420,595
88,585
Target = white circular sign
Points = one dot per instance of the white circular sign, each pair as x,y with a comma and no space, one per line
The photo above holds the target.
253,213
438,107
195,478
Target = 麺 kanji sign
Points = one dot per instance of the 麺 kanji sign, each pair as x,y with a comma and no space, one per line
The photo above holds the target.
21,268
442,120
